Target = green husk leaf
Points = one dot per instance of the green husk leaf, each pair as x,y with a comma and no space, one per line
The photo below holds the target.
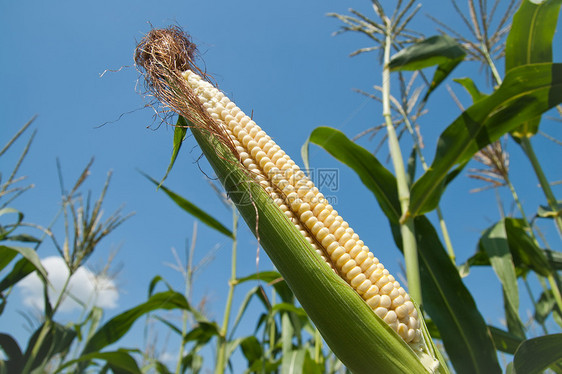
359,338
179,136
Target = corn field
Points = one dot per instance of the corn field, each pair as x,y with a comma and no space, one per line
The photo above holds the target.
329,305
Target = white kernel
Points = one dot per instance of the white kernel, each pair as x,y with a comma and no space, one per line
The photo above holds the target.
328,240
374,301
322,233
353,274
385,301
316,227
390,317
381,312
371,292
401,311
344,238
364,286
337,253
332,247
349,264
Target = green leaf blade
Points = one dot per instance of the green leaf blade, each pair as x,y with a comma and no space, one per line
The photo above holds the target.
463,330
440,50
527,92
530,41
495,243
193,209
373,174
535,355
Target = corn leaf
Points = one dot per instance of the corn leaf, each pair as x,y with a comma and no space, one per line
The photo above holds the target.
471,88
530,41
527,92
193,209
58,339
26,265
440,50
523,248
537,354
446,298
202,333
545,211
118,326
13,360
276,280
463,330
360,339
373,174
293,362
119,361
179,135
466,342
495,243
545,306
505,341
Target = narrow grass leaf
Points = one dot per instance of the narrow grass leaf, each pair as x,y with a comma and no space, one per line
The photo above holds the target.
440,50
527,92
532,30
372,173
537,354
193,209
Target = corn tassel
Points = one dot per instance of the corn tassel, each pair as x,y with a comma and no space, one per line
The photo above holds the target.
295,194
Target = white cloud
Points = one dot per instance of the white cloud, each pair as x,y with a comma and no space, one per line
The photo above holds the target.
84,286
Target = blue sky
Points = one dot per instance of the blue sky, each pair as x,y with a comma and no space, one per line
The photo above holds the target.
278,60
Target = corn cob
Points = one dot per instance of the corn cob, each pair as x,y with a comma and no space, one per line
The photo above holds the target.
295,194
